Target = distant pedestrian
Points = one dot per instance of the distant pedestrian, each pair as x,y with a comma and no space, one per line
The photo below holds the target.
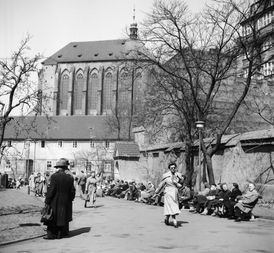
82,184
5,180
91,188
31,182
60,195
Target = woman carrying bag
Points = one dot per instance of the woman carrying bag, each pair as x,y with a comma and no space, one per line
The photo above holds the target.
171,181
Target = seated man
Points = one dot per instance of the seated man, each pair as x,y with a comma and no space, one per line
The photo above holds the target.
220,200
184,196
147,193
120,193
195,206
246,202
205,201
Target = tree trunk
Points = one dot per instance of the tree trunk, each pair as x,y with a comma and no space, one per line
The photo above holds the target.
209,168
188,163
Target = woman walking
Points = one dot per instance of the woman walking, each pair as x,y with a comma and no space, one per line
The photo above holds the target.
171,181
91,186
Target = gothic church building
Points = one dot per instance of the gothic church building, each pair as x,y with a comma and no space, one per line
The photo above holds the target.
93,78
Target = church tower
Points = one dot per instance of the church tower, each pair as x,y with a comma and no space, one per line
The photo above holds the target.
133,28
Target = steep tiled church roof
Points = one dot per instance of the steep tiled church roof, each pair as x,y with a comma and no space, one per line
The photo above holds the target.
94,51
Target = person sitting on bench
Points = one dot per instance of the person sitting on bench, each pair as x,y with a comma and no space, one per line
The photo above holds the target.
246,202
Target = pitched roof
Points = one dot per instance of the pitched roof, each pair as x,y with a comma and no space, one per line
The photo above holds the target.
59,128
94,51
126,149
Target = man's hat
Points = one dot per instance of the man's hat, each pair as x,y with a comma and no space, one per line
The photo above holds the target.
63,162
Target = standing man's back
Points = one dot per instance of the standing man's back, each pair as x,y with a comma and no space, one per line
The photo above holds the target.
60,195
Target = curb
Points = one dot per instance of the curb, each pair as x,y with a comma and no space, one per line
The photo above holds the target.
20,240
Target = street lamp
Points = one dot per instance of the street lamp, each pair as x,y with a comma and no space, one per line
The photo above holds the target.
200,125
28,155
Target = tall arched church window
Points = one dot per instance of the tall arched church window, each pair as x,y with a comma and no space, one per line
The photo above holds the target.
77,92
64,92
124,93
92,91
137,92
107,91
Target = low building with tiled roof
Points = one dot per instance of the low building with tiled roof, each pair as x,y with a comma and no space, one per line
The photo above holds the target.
34,144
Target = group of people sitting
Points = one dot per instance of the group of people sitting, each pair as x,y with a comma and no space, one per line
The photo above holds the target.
214,200
130,190
139,192
218,200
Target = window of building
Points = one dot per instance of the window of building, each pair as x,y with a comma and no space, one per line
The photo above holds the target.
74,144
267,69
64,92
92,91
138,87
107,167
8,166
107,91
124,94
49,165
92,144
43,144
107,144
59,144
78,93
155,154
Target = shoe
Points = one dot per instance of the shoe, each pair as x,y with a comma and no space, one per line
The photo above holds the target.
238,219
175,224
167,222
231,218
214,214
85,205
46,237
204,213
59,235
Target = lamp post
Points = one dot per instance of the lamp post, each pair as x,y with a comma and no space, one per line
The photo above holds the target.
28,155
200,125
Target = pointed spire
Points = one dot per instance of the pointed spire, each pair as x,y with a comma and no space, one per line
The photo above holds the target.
133,28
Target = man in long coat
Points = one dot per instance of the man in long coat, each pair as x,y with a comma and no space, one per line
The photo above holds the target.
60,195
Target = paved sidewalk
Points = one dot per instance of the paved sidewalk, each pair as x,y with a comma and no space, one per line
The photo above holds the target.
117,225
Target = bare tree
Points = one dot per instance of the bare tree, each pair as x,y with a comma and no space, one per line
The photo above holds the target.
198,64
17,90
93,157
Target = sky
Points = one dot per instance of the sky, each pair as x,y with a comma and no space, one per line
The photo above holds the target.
55,23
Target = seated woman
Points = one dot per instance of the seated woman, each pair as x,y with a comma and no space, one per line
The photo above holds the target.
147,193
229,205
246,202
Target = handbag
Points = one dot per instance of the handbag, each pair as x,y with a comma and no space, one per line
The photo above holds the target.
47,214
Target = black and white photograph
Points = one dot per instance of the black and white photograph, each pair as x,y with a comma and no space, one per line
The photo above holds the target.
137,126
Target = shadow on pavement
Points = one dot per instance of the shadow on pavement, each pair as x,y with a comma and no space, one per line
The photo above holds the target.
180,223
98,206
78,231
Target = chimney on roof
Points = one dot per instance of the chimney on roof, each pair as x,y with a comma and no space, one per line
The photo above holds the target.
139,136
133,28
